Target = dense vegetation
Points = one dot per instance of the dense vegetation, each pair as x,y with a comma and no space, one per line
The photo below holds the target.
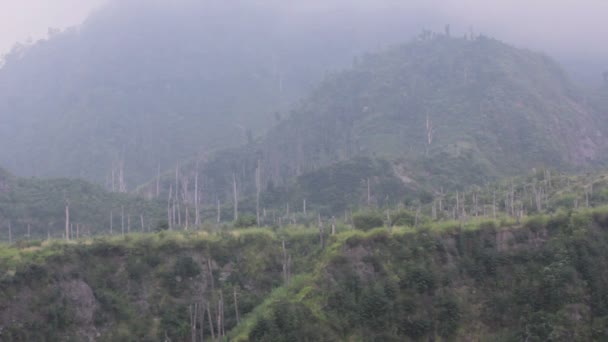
483,280
35,209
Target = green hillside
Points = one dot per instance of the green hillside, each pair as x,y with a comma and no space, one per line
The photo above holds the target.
505,109
35,209
485,280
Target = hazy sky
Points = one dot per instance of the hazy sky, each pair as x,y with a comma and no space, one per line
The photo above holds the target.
557,26
20,19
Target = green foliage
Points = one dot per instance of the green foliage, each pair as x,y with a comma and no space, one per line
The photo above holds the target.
367,220
403,218
245,221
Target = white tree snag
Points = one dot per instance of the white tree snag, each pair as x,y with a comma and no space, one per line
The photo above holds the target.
236,198
67,220
210,318
158,181
236,306
122,219
430,132
219,212
369,193
197,216
258,185
10,233
169,216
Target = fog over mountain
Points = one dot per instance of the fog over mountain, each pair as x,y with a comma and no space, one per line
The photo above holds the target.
564,28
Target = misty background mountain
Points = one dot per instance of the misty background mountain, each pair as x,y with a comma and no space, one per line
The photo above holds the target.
143,85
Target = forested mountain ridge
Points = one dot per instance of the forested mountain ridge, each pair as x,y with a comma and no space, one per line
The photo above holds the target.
141,84
438,113
511,109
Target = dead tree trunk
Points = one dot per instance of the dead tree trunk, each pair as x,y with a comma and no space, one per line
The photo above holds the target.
169,215
236,306
10,233
219,212
193,312
321,232
158,181
210,321
236,198
197,216
333,226
122,220
111,223
285,275
430,131
257,192
67,220
369,194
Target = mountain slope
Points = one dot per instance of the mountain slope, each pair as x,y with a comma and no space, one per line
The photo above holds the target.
495,111
150,82
510,109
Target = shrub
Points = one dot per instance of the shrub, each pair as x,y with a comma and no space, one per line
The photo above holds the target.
367,221
245,221
403,218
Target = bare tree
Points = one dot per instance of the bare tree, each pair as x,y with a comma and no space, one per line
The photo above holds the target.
430,132
236,306
257,191
169,212
210,321
122,219
219,212
369,193
285,274
10,233
158,181
197,216
67,220
236,198
333,226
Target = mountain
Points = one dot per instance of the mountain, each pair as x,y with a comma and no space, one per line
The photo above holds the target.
35,209
148,83
439,114
505,109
